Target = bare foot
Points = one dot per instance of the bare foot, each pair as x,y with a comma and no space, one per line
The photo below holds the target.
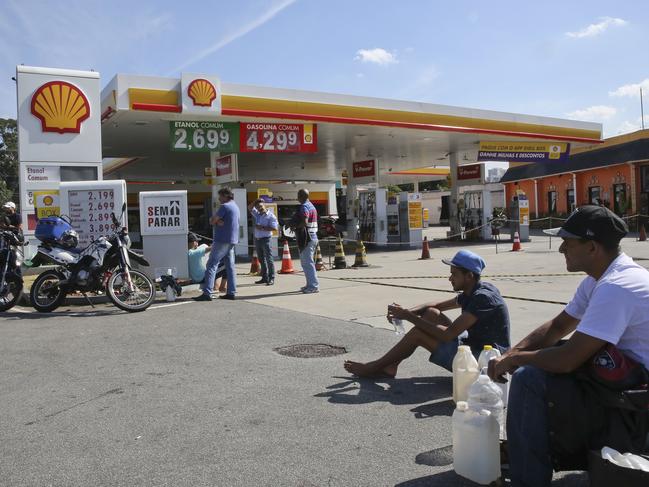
367,370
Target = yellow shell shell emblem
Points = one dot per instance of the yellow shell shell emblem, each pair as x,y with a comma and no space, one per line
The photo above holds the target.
48,200
202,92
61,107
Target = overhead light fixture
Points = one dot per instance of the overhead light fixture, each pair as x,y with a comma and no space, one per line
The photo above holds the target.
141,122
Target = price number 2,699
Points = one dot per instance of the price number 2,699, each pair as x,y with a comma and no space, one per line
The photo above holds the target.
201,139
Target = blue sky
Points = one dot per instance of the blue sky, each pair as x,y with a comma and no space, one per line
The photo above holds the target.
571,59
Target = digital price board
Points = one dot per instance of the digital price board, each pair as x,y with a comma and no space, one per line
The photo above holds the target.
278,137
204,136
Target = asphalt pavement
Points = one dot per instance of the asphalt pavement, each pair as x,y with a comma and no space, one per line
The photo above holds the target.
196,394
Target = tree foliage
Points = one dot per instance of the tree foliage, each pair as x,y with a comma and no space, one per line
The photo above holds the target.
8,159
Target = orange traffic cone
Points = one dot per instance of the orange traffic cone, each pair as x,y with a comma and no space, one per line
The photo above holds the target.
287,262
517,243
642,237
319,264
425,251
255,265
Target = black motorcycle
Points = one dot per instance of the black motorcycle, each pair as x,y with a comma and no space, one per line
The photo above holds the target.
103,266
11,281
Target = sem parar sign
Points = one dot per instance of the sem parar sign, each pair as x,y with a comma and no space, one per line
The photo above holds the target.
163,212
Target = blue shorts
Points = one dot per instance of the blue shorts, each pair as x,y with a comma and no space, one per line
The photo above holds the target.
445,353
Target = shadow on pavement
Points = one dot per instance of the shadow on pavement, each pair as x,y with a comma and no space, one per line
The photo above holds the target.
269,295
414,390
450,478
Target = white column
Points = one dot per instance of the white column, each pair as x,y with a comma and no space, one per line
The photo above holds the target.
352,219
536,199
574,189
452,207
416,187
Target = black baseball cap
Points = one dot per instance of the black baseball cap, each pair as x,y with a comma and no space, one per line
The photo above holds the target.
191,237
592,222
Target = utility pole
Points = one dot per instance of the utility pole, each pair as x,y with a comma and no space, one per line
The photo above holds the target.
641,110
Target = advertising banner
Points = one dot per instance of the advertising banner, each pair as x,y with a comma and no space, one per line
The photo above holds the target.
278,137
365,171
47,203
163,213
524,151
224,169
415,215
471,174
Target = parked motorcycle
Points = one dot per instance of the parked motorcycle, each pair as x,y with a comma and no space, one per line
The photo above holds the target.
103,266
11,281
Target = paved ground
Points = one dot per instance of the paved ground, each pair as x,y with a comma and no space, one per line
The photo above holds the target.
194,394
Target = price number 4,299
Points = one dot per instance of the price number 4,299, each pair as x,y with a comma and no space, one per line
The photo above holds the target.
272,141
200,139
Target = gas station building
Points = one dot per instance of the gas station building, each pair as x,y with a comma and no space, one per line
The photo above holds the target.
196,133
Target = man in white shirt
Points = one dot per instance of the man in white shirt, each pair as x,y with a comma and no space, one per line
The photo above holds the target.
611,305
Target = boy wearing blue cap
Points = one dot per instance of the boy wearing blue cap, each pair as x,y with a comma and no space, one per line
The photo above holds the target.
484,318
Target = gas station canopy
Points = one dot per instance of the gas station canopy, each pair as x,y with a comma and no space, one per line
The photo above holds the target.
137,111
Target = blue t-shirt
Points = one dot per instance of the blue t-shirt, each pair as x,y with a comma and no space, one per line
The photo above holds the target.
492,327
229,231
197,262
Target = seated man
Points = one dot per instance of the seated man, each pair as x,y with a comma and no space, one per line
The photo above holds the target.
553,409
484,317
196,262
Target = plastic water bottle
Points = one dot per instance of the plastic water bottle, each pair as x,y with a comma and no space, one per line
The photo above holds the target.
398,326
486,355
485,394
465,372
476,455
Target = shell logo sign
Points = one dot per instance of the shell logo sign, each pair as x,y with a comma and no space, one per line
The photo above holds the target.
61,107
202,92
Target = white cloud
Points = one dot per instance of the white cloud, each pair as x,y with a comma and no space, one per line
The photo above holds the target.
377,56
632,126
596,113
240,32
596,29
632,89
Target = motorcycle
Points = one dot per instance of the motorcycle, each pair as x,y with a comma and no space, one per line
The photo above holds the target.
103,266
11,281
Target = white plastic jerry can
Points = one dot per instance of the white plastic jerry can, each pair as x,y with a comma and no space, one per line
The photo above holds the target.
486,355
476,453
465,373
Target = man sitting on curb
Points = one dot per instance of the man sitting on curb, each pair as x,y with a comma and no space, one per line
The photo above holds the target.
196,262
555,412
484,317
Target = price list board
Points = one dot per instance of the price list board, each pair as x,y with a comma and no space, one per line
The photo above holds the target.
89,207
278,137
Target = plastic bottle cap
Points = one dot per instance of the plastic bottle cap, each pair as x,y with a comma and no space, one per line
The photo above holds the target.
462,406
488,347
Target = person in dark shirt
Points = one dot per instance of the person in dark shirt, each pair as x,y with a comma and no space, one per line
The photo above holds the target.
11,220
484,321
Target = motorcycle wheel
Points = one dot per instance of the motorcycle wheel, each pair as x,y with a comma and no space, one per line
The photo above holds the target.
137,300
10,293
46,294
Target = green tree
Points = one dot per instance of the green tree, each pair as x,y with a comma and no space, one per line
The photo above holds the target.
8,159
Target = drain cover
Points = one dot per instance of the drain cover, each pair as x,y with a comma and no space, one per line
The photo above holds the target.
310,350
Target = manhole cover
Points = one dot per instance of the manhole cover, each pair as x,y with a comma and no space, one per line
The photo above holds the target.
310,350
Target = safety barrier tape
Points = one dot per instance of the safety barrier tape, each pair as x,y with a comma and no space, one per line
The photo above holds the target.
445,276
518,298
448,237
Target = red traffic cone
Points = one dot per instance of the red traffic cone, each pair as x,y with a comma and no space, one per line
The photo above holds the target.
517,243
255,265
425,251
287,262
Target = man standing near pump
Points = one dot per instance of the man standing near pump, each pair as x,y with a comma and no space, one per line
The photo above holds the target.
305,224
226,235
264,223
